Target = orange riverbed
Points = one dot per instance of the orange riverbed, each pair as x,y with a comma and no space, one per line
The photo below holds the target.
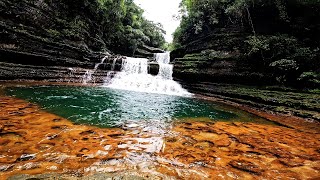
36,142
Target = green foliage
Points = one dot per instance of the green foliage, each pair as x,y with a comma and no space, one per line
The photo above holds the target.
129,29
281,36
286,56
75,29
283,69
54,33
285,65
117,25
276,47
310,79
167,46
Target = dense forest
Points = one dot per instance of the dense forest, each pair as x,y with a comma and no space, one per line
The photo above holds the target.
116,25
274,37
228,41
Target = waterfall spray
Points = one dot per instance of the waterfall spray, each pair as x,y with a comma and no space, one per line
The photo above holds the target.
134,77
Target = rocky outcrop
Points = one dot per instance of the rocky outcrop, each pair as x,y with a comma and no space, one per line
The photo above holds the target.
31,48
274,42
275,99
10,71
147,52
217,57
47,38
38,42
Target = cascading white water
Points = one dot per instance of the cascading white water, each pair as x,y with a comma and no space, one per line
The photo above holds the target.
135,66
165,69
111,73
163,58
88,74
134,77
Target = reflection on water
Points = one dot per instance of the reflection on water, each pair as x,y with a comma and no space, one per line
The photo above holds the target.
112,108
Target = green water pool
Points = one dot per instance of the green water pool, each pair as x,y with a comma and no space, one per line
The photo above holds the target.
106,107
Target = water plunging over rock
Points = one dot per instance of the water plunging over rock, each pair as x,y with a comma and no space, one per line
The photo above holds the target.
165,69
134,76
88,74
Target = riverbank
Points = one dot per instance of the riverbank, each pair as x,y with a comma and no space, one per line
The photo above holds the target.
288,108
36,142
283,101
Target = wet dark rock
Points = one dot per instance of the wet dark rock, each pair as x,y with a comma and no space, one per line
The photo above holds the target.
10,134
314,157
115,135
52,136
171,139
80,155
278,152
292,162
56,120
26,157
87,132
254,152
17,113
246,166
59,127
4,168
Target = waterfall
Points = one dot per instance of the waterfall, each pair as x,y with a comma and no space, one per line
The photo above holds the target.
163,58
87,77
165,69
111,72
134,77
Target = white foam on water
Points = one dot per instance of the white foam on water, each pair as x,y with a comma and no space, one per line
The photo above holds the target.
134,77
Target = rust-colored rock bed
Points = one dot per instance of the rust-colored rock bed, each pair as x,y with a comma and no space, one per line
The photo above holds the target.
34,142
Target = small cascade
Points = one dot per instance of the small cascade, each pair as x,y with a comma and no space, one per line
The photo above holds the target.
135,66
163,58
87,77
111,73
134,77
71,72
165,69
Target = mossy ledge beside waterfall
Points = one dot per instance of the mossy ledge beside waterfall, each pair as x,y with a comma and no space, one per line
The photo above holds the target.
134,77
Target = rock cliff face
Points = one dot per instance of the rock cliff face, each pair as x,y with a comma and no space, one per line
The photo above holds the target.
53,41
269,42
30,47
146,51
217,57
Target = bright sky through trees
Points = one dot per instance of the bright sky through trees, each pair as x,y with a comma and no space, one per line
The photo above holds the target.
162,11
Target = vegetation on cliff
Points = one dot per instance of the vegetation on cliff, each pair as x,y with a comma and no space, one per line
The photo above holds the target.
116,25
276,39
